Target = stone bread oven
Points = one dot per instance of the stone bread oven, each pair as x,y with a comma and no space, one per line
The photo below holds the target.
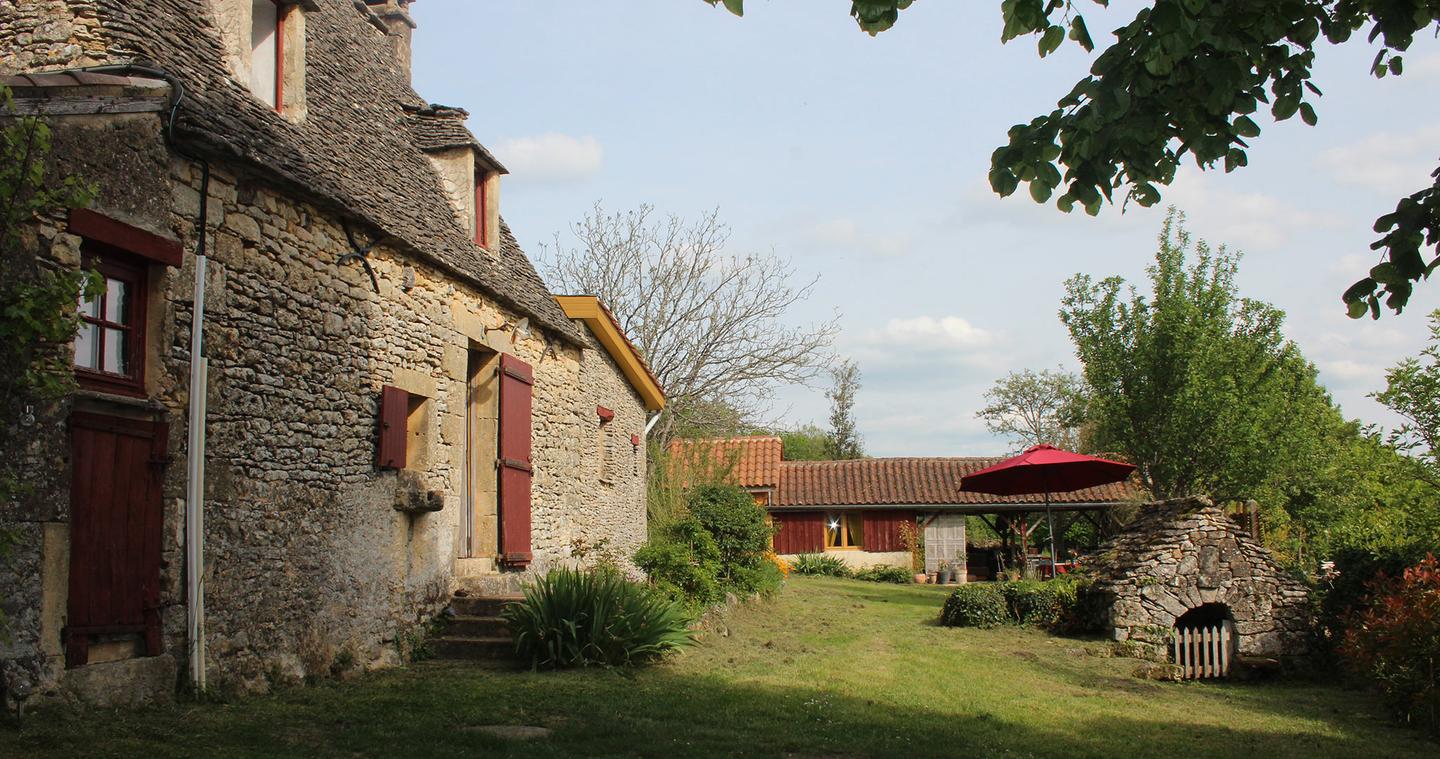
1183,562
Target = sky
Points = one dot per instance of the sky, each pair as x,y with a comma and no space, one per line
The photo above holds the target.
863,160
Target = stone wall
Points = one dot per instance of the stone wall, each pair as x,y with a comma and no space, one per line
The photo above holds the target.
306,558
1179,555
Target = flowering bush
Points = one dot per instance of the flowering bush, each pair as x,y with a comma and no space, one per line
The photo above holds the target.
1394,640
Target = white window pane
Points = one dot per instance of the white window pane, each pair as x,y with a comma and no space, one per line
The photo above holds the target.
87,347
117,301
264,23
117,351
90,306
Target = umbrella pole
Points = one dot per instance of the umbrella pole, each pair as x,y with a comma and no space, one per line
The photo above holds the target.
1050,525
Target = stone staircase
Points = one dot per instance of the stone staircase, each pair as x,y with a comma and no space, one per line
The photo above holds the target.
476,632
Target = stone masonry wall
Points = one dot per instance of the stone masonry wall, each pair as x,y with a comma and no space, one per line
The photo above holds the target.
1178,555
306,557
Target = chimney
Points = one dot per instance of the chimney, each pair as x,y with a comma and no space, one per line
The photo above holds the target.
398,25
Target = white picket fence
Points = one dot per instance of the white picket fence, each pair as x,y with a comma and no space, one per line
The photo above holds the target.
1206,651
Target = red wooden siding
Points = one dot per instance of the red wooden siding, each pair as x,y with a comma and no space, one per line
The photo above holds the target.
882,529
394,411
115,532
516,385
800,531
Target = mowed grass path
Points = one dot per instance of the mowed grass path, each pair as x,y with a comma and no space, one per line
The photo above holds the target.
828,668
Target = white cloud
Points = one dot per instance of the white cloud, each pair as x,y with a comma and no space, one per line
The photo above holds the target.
846,234
1248,221
1386,162
551,158
939,333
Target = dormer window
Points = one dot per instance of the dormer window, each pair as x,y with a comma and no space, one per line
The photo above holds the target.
481,209
264,49
267,51
486,222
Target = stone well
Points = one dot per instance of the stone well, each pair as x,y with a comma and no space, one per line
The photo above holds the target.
1185,557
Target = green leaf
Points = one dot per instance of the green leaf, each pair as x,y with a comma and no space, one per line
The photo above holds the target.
1051,40
1356,309
1307,114
736,7
1396,66
1285,107
1039,191
1245,127
1080,34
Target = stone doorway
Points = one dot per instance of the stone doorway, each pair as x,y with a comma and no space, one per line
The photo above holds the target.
479,521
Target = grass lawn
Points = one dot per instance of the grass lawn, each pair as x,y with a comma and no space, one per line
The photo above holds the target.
829,668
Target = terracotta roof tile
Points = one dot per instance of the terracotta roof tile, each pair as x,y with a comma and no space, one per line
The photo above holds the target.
755,461
897,481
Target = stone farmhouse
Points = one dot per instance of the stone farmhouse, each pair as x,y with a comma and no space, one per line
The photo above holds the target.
394,405
854,509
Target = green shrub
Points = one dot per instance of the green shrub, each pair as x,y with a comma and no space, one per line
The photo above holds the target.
684,564
976,605
819,564
571,618
898,575
1064,605
719,547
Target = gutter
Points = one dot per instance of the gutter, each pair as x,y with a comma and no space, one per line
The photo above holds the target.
198,389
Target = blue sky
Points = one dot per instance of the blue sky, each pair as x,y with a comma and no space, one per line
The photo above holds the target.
864,159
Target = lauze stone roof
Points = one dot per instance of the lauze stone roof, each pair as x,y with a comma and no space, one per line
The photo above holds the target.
356,152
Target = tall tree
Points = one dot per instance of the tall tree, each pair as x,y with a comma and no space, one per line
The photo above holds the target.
1412,390
1032,408
1197,386
845,441
714,327
1187,77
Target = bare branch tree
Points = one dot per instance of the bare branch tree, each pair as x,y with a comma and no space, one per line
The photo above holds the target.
1032,407
711,325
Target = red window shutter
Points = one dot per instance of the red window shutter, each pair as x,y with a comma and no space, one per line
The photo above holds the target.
394,410
516,385
800,531
882,530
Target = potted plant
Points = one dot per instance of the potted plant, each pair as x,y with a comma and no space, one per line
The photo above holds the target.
945,575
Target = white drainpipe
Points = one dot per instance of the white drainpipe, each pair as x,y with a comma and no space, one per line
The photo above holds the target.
195,485
650,425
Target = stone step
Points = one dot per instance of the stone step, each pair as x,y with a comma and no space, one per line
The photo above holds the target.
477,627
481,606
463,647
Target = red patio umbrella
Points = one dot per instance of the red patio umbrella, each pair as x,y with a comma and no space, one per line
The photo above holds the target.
1046,469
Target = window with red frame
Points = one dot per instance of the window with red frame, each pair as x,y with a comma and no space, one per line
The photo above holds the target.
110,347
267,51
482,208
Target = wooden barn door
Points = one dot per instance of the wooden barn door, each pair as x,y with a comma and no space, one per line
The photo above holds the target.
516,386
115,531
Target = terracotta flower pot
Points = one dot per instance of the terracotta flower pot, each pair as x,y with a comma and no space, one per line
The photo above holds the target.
921,578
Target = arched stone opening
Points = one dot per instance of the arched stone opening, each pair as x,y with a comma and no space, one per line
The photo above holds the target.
1205,615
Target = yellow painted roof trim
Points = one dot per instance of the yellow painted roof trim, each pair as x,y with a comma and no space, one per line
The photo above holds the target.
602,324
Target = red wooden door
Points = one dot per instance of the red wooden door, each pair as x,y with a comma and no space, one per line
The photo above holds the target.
516,385
115,530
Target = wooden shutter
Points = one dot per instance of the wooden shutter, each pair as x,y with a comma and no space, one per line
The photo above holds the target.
116,525
800,531
394,412
882,530
516,386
